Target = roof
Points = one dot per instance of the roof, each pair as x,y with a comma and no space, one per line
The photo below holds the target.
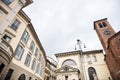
78,52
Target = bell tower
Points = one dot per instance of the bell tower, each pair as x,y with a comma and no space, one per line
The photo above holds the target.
110,42
104,31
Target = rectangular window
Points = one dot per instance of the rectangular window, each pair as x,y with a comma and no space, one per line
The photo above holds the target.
19,52
28,60
37,69
36,52
66,77
89,59
7,38
7,1
94,58
33,65
39,57
32,45
9,74
1,67
83,59
41,70
15,25
25,37
30,78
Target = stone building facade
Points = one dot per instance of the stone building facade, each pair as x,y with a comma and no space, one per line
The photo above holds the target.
22,56
110,41
50,69
93,66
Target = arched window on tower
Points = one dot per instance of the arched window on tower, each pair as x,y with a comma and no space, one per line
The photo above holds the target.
92,73
102,25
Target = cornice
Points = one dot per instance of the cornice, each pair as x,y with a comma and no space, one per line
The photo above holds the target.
67,53
78,52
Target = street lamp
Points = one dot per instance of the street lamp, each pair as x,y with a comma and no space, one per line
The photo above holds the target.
79,43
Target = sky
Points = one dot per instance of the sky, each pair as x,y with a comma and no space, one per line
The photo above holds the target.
59,23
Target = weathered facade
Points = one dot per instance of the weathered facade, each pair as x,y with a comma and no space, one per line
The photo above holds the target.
110,41
21,53
93,66
50,69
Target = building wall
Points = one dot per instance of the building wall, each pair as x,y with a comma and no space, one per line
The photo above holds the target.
98,64
114,54
74,57
51,69
8,14
110,43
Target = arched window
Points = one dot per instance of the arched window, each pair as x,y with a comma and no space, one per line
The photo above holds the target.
100,25
21,77
69,62
92,73
104,24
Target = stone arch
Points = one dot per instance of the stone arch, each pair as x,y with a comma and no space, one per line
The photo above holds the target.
92,73
22,77
69,62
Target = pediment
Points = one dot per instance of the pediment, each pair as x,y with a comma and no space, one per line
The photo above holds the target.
67,68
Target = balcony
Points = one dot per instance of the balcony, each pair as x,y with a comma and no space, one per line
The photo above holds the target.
6,50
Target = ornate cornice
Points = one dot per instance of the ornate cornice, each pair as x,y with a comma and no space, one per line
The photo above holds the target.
78,52
67,53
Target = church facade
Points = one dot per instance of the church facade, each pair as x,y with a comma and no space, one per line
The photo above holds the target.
78,65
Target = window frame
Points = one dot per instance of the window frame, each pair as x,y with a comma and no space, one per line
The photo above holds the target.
38,68
102,24
94,58
33,64
19,53
7,38
28,60
39,57
36,52
32,46
7,2
91,71
25,37
89,59
15,24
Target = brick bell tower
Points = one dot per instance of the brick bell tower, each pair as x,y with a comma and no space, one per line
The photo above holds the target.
107,36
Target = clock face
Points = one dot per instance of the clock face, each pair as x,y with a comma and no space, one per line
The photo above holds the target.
107,32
